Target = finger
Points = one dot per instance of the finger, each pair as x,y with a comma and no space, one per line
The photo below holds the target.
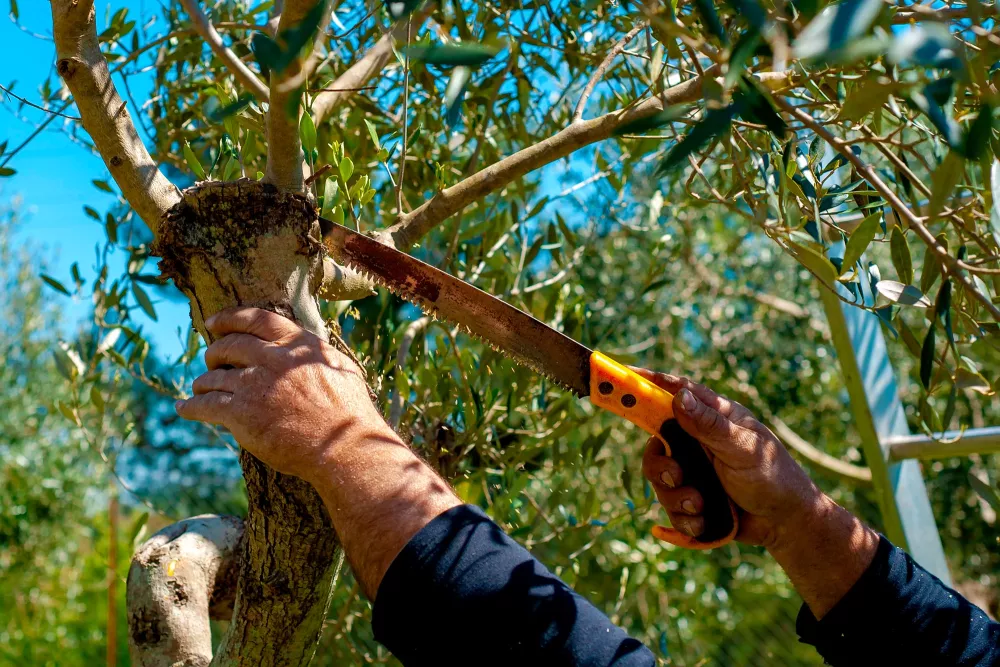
685,500
658,468
211,408
674,384
236,351
253,321
689,525
709,426
226,380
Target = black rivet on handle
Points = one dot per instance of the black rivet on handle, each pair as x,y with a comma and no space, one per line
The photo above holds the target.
605,388
628,400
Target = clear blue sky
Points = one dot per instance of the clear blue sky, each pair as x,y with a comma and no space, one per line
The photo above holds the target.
54,174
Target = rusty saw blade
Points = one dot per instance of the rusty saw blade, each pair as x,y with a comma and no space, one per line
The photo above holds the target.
506,329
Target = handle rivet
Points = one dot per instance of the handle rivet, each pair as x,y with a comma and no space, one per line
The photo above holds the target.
605,388
628,400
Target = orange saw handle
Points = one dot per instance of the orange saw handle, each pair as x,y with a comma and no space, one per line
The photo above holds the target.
624,392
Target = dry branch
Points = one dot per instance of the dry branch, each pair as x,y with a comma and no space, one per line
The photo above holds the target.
243,74
83,67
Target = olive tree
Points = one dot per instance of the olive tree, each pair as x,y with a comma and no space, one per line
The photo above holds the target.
832,129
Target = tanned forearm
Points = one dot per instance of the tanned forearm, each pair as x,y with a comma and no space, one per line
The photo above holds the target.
824,550
379,495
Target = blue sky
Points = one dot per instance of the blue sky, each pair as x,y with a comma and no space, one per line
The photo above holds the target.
54,174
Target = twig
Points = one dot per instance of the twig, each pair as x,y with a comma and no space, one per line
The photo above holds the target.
35,106
950,265
603,67
406,102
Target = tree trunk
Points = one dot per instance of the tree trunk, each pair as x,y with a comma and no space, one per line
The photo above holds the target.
244,243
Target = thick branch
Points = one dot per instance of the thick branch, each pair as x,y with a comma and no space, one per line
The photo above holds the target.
821,459
949,264
180,578
85,71
203,26
409,228
603,67
364,70
284,149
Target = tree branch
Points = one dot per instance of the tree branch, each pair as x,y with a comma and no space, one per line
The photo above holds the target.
821,459
85,71
603,67
181,578
284,167
409,228
203,26
364,70
949,264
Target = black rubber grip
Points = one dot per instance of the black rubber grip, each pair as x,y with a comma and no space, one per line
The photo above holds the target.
700,473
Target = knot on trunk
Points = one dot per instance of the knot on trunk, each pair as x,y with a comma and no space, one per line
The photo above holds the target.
244,243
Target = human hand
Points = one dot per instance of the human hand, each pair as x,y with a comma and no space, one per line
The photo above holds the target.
288,397
755,469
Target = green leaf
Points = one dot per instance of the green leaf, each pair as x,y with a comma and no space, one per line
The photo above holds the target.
755,106
985,491
193,162
102,186
934,101
220,114
904,295
943,182
454,94
92,213
972,381
743,51
143,300
330,189
977,139
111,228
307,133
96,399
7,171
714,123
55,284
901,259
268,54
453,55
927,44
710,19
659,119
346,168
137,529
15,14
816,262
836,27
860,239
927,358
867,98
373,134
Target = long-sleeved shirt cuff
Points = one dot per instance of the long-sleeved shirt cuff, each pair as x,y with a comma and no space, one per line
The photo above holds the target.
898,613
463,592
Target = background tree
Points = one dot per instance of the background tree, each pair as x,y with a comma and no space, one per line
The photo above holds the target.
712,138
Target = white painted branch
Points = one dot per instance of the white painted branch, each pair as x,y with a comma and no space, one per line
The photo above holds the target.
180,578
203,26
83,67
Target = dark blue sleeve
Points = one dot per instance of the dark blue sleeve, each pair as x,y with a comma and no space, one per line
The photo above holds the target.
900,614
462,592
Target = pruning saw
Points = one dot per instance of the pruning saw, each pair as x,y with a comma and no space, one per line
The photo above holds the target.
588,373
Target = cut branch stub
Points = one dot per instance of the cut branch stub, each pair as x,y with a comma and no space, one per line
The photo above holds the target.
249,244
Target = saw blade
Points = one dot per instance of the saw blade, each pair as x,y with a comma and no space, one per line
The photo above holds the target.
508,330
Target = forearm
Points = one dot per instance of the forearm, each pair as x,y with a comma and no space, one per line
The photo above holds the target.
379,495
824,550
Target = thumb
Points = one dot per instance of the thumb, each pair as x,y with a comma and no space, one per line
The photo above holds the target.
706,424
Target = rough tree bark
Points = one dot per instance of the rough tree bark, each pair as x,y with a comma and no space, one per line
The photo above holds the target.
250,244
